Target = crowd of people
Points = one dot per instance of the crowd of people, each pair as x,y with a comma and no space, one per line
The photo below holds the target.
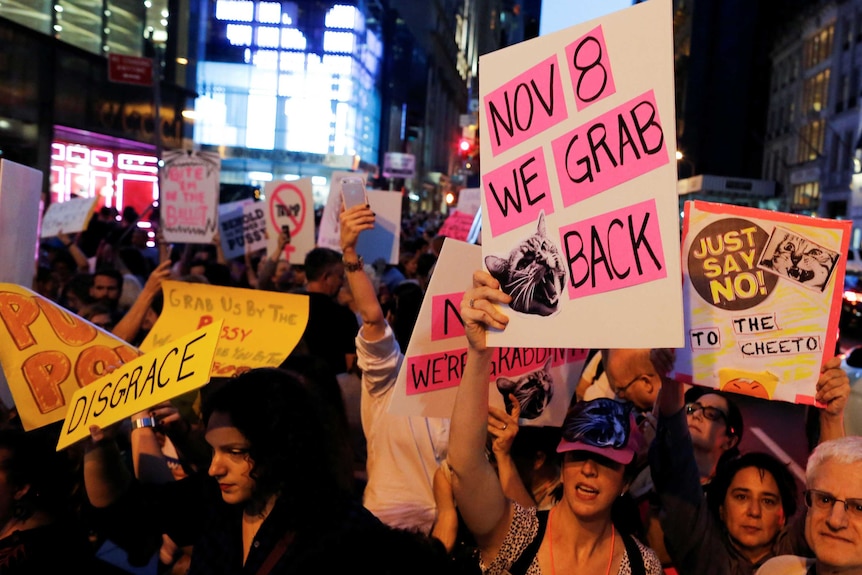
285,470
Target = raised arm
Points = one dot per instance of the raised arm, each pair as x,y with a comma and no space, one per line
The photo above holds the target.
671,398
503,427
127,328
106,476
477,489
353,222
833,391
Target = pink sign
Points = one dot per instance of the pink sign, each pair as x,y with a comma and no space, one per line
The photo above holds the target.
616,147
590,68
457,226
446,319
614,250
525,106
444,369
516,192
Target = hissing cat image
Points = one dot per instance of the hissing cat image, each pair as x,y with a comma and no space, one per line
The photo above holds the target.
533,273
798,259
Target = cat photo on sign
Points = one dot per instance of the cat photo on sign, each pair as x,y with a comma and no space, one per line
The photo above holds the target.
533,273
798,259
533,391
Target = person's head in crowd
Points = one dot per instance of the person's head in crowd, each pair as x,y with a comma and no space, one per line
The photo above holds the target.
753,495
63,266
425,267
134,262
106,287
833,525
324,271
98,314
632,376
218,274
76,293
714,422
402,311
599,440
407,263
130,215
108,214
139,238
44,283
271,439
198,265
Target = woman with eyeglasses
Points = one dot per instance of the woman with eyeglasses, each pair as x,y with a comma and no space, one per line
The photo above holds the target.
749,515
715,425
599,447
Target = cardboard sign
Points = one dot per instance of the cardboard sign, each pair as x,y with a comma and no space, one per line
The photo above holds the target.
67,217
434,361
580,219
260,327
457,226
469,200
242,227
20,209
762,294
179,367
290,205
328,235
48,353
189,196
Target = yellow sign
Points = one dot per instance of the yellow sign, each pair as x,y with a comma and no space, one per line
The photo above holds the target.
260,327
47,353
181,366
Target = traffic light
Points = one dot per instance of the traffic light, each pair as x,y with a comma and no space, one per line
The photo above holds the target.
465,147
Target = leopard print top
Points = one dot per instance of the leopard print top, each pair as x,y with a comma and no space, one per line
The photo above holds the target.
523,529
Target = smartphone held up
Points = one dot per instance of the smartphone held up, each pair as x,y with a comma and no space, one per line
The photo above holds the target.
353,192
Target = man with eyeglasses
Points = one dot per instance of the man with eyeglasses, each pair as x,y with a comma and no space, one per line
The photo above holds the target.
833,525
750,516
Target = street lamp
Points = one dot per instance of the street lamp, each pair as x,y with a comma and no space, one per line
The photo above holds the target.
681,157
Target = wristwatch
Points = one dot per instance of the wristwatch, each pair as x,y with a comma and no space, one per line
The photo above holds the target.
353,266
143,422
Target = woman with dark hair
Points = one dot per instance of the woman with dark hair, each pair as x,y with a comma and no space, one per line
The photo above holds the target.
273,500
600,443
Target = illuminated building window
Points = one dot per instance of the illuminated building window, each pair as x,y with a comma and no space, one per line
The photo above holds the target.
339,42
344,17
292,39
268,37
269,12
239,35
237,10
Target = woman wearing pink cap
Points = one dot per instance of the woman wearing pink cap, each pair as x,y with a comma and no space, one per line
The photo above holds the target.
599,448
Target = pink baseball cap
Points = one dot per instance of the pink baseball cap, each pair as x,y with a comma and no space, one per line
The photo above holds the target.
602,426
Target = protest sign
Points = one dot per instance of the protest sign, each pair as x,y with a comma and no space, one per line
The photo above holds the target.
180,366
48,352
328,235
543,379
469,200
762,293
189,192
260,327
290,205
242,227
580,219
383,242
457,225
67,217
20,206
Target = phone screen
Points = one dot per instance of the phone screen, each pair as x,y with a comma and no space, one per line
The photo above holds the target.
353,192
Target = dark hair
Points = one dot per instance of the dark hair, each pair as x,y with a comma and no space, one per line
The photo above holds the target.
734,423
425,263
405,305
319,261
110,272
765,462
292,442
135,262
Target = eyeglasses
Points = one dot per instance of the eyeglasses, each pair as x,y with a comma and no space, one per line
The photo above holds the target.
709,412
622,390
823,501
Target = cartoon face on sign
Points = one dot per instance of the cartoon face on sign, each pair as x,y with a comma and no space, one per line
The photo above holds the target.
533,273
722,264
798,259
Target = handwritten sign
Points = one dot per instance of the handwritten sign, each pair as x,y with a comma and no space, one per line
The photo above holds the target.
762,293
457,225
291,205
579,204
48,353
469,201
181,366
67,217
189,196
260,327
544,379
242,226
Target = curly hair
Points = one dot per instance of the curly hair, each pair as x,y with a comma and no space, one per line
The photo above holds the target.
292,440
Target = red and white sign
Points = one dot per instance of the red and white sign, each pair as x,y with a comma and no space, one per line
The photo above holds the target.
130,69
290,206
